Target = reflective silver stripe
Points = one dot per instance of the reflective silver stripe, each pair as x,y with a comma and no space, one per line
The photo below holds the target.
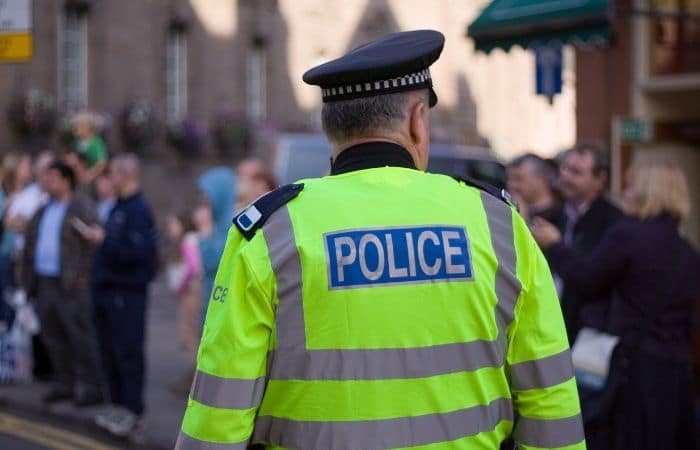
543,372
377,364
231,393
281,246
508,286
385,433
551,433
185,442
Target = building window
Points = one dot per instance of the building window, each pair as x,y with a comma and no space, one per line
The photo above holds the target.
74,55
675,37
176,73
256,87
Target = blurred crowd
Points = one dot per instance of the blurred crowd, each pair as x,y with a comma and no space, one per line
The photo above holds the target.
629,282
197,236
79,246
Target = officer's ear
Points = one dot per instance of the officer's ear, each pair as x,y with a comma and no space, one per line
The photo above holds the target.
419,129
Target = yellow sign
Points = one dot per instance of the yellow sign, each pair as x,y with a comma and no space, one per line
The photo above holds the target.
15,46
15,30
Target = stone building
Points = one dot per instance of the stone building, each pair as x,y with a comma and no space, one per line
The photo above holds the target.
198,57
195,57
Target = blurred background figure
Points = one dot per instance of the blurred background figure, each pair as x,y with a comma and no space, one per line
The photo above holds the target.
584,218
79,164
6,312
212,220
530,180
105,197
89,143
16,175
253,179
185,281
124,266
27,193
655,276
55,273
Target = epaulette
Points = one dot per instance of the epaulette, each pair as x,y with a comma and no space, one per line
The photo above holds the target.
256,214
500,194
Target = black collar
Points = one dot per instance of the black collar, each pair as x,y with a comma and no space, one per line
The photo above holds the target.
371,155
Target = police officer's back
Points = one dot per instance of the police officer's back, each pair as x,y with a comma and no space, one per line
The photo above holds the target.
382,307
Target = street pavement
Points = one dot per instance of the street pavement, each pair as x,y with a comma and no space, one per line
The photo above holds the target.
25,431
165,365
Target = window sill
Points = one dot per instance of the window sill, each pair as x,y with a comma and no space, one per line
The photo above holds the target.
671,83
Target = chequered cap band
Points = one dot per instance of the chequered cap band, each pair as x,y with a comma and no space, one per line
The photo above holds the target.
408,82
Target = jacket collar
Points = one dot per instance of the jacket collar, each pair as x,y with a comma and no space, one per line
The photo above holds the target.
371,155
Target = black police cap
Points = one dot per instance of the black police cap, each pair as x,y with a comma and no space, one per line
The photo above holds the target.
394,63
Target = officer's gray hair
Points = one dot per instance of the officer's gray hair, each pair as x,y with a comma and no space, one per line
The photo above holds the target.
347,119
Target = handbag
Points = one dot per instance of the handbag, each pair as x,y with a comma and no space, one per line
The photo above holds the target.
591,355
599,362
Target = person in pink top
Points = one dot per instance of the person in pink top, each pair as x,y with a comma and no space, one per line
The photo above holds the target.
184,280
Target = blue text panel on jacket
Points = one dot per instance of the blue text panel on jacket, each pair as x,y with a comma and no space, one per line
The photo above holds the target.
367,257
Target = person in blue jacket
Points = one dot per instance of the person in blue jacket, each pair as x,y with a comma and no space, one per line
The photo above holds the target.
124,265
218,199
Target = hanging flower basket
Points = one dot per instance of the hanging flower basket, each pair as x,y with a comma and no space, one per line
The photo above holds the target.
32,114
186,136
230,131
65,132
139,125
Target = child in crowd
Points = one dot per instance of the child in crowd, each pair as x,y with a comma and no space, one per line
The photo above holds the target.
184,279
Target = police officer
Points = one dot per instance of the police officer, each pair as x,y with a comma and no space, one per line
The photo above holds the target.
382,307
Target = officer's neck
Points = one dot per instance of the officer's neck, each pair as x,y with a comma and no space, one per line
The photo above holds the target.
397,137
130,189
389,137
370,154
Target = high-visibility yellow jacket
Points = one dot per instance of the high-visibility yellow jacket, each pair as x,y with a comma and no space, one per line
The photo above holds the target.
384,308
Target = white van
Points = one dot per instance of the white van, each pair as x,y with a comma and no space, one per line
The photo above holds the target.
295,156
301,155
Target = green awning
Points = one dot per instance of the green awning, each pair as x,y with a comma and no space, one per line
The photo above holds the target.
505,23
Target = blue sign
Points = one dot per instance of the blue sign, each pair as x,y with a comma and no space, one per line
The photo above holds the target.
360,258
548,65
